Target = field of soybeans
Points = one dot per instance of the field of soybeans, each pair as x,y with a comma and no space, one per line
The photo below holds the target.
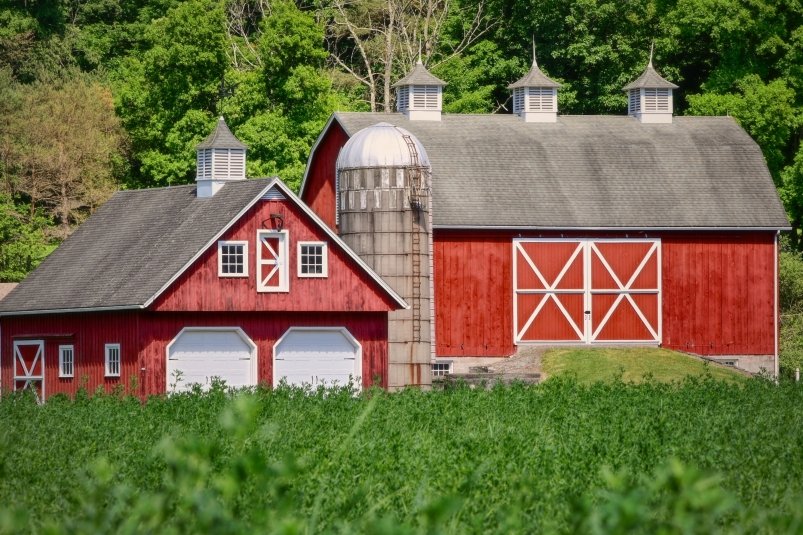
701,456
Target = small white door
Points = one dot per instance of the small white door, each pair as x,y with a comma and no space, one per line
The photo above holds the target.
197,355
319,355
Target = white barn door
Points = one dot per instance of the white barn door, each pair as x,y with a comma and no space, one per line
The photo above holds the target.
200,354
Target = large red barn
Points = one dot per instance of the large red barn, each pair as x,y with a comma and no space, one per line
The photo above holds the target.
546,229
166,287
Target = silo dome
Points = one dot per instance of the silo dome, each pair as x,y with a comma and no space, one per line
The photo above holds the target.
382,145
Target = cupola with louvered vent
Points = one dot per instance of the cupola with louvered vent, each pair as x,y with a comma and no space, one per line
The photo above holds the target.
419,95
221,159
535,96
649,97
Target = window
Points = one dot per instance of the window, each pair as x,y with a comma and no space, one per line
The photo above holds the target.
312,259
112,360
272,268
66,361
232,258
441,368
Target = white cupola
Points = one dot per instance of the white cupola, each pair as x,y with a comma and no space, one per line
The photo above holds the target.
419,95
650,97
221,159
535,96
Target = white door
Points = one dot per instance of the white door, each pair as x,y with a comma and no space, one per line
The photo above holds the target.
29,366
197,355
317,355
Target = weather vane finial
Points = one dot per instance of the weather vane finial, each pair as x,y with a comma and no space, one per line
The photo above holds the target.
652,46
535,62
419,53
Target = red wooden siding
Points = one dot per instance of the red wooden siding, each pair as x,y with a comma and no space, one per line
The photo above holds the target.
717,291
158,329
347,287
473,294
319,192
88,333
718,294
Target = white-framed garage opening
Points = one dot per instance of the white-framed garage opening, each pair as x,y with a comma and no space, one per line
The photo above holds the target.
315,356
197,355
587,290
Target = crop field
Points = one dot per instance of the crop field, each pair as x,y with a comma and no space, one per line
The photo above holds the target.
702,456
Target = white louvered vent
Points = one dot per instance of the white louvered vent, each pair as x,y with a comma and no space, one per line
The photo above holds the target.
273,194
402,99
635,101
204,164
518,100
540,99
656,100
425,97
228,164
236,164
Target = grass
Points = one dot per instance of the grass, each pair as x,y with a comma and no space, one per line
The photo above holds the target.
631,365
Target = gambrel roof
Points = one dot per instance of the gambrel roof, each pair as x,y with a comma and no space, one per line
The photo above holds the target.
591,172
136,244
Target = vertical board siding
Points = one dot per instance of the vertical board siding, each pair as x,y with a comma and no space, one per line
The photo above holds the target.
719,293
473,294
88,333
347,286
319,191
159,329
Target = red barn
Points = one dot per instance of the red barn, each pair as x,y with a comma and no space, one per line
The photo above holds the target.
166,287
545,229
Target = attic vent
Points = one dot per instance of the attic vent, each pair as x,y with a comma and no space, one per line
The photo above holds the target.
402,99
635,101
656,99
540,99
273,194
518,100
425,97
204,164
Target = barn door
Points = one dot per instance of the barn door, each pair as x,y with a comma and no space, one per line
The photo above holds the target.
29,366
588,291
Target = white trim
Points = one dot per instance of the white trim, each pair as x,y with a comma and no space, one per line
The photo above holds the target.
588,247
279,260
223,243
351,339
27,376
107,348
62,350
609,229
324,260
236,330
775,311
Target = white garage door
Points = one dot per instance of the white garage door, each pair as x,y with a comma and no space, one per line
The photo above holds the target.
197,355
317,356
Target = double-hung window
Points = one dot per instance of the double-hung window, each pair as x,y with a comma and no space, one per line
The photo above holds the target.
232,258
66,361
312,259
112,360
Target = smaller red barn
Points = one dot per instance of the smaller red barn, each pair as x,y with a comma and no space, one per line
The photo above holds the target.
166,287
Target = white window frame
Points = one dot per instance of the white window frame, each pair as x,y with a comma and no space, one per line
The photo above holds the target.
223,243
266,266
442,373
324,261
107,350
66,367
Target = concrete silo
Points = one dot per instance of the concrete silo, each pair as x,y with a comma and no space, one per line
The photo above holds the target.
383,210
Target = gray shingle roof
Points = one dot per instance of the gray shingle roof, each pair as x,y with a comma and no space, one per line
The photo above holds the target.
591,171
534,78
651,79
130,248
419,76
221,138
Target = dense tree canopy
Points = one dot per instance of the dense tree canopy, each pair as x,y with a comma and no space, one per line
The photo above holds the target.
139,83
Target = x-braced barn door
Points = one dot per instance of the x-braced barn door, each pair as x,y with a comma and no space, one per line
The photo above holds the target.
587,291
29,366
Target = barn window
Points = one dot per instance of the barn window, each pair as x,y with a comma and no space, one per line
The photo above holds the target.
441,368
232,258
312,259
112,360
272,262
66,361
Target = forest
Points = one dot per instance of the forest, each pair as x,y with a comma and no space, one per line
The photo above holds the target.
100,95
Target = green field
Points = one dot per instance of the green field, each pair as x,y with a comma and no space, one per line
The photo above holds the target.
631,365
702,456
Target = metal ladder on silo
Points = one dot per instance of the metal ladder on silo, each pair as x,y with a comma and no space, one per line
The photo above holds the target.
415,234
